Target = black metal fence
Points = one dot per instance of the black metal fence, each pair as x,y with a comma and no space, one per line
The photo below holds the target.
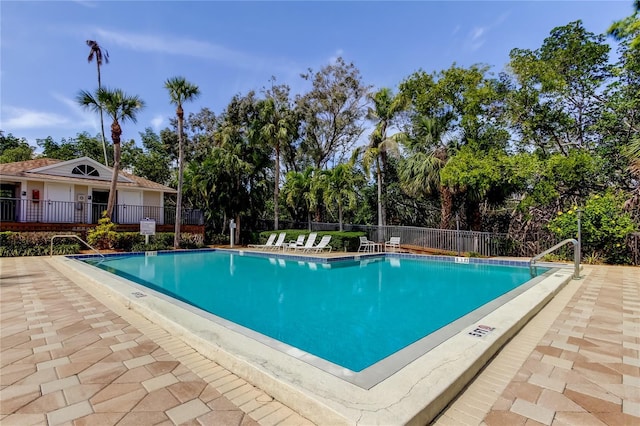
45,211
457,241
482,243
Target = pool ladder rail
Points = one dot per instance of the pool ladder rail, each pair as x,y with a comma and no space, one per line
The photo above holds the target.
576,257
77,238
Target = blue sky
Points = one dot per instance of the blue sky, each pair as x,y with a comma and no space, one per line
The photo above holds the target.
228,48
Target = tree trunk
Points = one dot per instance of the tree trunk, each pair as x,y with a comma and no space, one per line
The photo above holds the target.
176,237
276,189
383,168
474,218
340,217
114,179
380,208
446,200
104,143
237,231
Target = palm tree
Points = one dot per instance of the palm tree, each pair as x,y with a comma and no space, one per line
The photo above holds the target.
297,191
338,186
385,108
180,91
420,171
121,108
278,129
101,56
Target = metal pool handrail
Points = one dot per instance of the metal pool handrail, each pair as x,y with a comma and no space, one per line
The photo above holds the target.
576,256
77,238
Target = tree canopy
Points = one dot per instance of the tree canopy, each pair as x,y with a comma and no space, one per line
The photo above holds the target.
558,129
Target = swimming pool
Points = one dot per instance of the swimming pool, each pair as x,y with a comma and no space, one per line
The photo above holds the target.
411,386
350,313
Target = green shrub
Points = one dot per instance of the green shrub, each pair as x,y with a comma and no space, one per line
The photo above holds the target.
104,235
191,241
224,238
126,240
14,244
152,246
39,243
605,227
160,241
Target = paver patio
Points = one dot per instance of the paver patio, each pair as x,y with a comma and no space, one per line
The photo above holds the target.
576,363
68,358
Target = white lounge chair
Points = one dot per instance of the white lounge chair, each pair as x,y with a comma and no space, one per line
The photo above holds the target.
365,245
310,242
267,245
279,242
323,244
292,245
393,244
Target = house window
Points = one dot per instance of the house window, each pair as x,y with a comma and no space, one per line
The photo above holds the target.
85,170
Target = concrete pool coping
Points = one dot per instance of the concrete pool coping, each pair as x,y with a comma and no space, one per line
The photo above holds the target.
413,395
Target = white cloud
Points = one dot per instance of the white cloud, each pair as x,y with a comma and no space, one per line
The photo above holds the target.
477,32
156,123
168,44
478,35
86,3
23,118
476,38
336,55
82,117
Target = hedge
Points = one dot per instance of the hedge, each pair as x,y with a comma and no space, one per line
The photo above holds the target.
13,244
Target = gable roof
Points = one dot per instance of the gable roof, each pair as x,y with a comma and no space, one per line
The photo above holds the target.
51,169
62,169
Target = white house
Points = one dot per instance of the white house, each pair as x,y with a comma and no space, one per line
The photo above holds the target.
76,191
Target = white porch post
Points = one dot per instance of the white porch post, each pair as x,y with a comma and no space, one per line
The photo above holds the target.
89,204
161,218
22,211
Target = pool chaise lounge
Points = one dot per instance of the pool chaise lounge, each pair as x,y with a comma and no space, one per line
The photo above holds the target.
292,245
322,245
279,244
311,240
268,244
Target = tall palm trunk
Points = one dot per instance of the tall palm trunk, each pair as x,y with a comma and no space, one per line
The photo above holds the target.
380,206
276,189
176,236
446,200
116,132
381,184
104,143
237,230
474,218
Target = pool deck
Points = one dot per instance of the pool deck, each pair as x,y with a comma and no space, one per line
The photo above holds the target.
68,358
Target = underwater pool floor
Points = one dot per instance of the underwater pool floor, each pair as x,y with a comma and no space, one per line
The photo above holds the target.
34,310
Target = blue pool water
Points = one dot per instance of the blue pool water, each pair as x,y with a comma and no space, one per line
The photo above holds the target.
350,313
